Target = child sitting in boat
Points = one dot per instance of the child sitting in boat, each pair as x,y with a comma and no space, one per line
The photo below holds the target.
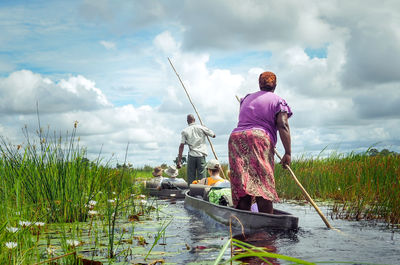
213,168
173,182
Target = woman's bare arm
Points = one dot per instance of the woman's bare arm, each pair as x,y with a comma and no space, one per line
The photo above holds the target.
282,125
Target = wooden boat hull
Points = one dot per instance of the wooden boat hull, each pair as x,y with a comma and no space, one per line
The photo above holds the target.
249,220
167,193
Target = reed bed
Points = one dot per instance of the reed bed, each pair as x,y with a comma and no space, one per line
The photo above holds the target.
359,185
49,182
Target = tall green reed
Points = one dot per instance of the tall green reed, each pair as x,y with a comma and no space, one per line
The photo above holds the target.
113,216
360,186
50,178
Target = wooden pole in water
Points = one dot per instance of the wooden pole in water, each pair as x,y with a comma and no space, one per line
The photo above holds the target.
198,116
305,193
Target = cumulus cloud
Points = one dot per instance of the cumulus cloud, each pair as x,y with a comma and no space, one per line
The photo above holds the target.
259,24
166,43
21,90
326,112
219,24
372,50
347,97
372,53
212,91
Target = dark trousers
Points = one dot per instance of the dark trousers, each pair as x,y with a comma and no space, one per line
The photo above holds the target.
196,168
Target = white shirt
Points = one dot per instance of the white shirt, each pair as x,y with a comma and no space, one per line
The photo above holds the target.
195,137
174,180
155,182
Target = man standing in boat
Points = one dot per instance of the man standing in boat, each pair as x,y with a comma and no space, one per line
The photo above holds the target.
195,137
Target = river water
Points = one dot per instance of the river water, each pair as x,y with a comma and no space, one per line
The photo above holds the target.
194,239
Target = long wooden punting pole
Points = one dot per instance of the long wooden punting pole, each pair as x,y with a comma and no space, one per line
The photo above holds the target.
198,116
308,197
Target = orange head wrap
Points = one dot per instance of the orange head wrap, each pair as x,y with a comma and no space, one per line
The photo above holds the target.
267,81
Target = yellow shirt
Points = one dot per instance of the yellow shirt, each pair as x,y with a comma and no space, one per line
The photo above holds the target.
210,181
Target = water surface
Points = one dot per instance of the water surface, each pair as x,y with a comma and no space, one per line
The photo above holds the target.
191,238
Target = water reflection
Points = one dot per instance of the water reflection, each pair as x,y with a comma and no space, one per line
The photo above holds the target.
204,239
267,240
204,232
261,239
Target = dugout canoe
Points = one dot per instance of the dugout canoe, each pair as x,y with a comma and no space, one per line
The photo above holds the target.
174,190
167,193
250,220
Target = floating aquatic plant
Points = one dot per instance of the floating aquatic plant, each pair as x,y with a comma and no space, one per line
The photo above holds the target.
12,229
11,245
40,224
72,243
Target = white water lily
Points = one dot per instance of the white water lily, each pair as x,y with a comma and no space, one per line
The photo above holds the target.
12,229
24,223
92,213
40,224
11,245
73,243
50,250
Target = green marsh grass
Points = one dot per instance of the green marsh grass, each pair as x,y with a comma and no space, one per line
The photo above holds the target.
48,181
359,186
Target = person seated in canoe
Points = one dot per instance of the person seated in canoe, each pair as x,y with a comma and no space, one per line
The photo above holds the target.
157,179
213,168
173,182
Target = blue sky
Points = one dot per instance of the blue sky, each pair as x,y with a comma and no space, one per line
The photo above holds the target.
104,63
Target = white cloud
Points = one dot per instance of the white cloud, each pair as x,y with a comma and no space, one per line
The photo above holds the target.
21,90
108,44
166,43
327,118
347,98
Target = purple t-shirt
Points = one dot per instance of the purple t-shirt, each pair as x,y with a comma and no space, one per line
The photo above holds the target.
258,111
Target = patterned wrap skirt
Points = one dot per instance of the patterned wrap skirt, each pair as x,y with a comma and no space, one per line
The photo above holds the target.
251,162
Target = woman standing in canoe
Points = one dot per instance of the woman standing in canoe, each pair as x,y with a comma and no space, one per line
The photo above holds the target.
251,146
